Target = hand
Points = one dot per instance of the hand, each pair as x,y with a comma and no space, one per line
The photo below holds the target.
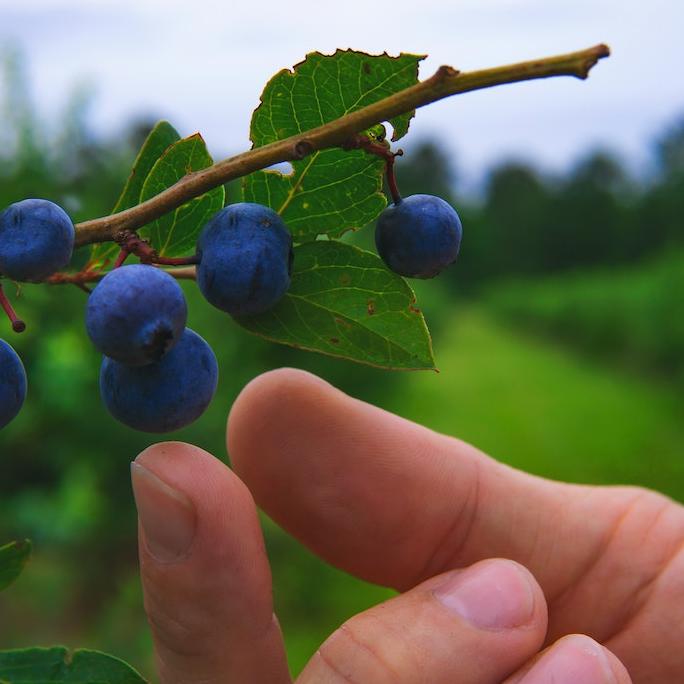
399,505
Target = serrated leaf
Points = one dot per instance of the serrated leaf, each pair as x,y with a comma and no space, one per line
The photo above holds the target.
175,233
330,191
160,138
344,302
13,558
61,666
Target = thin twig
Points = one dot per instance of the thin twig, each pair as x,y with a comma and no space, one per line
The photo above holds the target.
93,276
444,83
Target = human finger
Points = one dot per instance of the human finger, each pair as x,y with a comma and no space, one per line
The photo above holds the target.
205,576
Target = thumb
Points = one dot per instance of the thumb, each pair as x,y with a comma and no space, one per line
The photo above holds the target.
206,580
474,625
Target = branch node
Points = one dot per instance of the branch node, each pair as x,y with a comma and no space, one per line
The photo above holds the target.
302,148
445,72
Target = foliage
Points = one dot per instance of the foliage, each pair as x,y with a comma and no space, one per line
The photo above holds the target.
529,224
633,316
58,665
13,558
331,191
350,305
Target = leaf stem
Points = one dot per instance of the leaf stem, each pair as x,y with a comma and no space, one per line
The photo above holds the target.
444,83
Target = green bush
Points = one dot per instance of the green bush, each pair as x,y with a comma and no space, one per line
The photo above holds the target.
633,316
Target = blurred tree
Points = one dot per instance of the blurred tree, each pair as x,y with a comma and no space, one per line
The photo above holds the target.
588,223
670,149
427,169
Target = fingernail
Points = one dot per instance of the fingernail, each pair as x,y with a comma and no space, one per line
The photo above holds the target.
574,659
167,516
493,595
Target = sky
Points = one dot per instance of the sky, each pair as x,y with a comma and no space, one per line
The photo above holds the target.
202,64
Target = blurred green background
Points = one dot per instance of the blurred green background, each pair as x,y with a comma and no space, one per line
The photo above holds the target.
559,336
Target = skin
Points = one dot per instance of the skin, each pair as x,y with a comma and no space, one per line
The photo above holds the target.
397,504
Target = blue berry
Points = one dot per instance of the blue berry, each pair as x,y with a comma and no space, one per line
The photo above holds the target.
36,240
136,314
162,396
419,236
12,384
245,253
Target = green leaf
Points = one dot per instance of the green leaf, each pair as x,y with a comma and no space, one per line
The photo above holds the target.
331,191
161,137
344,302
175,233
57,664
13,558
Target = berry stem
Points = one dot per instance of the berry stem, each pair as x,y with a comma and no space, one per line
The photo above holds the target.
122,256
17,324
392,178
382,150
176,261
445,82
132,244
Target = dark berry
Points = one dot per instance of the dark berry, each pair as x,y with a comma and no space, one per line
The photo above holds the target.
162,396
245,254
419,236
136,314
12,384
36,240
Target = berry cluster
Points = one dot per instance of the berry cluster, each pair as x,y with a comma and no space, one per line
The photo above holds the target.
157,375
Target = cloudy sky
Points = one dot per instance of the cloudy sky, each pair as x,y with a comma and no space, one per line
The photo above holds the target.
202,64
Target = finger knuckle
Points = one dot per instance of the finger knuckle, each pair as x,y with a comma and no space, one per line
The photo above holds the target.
181,635
351,656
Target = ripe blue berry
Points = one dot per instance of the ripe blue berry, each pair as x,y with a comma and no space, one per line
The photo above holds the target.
245,254
12,384
36,240
136,314
419,236
162,396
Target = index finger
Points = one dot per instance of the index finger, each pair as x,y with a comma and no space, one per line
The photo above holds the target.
393,502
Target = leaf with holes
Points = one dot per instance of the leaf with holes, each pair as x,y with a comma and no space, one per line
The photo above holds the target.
175,233
161,137
13,558
330,191
58,665
344,302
